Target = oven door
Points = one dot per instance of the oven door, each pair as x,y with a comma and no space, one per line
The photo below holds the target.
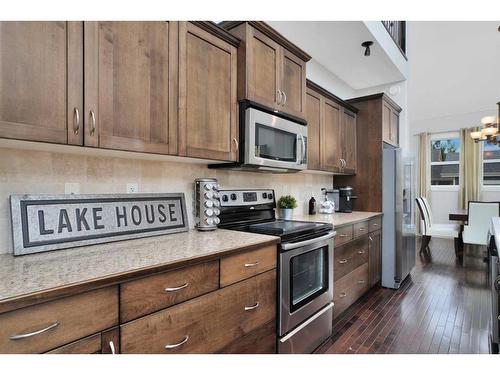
306,280
274,141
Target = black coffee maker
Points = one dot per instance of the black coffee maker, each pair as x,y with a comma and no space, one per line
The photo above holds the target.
345,199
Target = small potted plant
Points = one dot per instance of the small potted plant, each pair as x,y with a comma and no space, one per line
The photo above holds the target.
286,204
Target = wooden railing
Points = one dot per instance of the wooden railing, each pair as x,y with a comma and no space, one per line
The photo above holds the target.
397,30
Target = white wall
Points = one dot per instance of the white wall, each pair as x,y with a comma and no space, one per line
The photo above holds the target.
454,80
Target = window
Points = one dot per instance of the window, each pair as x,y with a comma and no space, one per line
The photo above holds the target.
445,161
491,165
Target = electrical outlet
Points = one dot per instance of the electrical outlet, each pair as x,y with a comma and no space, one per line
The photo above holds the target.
132,187
71,188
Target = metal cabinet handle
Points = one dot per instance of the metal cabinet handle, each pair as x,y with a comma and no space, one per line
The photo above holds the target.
92,122
176,288
284,96
31,334
343,294
76,121
498,317
236,144
375,224
342,235
278,97
361,281
251,264
183,341
361,251
343,261
370,238
361,229
253,307
112,347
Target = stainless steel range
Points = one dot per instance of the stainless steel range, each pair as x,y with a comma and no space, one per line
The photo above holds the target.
305,266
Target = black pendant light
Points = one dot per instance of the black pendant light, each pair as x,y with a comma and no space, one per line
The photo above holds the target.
367,45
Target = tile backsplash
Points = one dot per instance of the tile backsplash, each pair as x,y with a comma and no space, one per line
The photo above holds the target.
28,171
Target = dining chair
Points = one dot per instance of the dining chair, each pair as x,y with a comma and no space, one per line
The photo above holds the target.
431,229
479,221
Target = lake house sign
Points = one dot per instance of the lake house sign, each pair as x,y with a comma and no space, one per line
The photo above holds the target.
49,222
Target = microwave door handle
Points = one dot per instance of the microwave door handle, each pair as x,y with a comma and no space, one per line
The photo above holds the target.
303,149
294,245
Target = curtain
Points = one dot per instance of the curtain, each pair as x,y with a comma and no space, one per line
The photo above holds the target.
423,165
469,168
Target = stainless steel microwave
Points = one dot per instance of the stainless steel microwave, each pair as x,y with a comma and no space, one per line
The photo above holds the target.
269,142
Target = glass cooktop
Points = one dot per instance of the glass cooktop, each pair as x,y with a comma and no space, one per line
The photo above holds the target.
284,227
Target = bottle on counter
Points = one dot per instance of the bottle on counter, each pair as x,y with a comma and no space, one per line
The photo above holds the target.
312,206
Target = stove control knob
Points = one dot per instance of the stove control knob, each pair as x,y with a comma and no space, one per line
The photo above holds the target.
264,195
233,196
209,204
270,196
224,198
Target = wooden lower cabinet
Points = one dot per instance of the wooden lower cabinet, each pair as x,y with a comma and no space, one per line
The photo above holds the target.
375,251
348,289
205,324
260,341
350,256
106,342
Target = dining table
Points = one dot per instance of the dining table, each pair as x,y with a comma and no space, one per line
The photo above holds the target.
460,215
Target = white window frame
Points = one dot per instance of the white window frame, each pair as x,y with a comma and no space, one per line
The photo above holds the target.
437,137
486,187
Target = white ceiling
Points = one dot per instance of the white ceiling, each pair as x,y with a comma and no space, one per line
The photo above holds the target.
337,46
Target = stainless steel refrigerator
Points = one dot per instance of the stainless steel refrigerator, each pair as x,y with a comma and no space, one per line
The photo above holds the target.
398,224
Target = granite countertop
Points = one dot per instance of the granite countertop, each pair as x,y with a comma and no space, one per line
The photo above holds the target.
495,230
338,219
26,275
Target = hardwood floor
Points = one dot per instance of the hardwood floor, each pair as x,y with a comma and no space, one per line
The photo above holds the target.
443,307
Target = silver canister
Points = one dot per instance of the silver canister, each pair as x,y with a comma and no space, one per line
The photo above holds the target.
206,204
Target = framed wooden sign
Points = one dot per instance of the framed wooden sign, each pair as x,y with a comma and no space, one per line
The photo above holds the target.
50,222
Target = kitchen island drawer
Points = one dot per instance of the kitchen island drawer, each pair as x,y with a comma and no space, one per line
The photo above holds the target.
42,327
247,264
149,294
375,224
350,256
348,289
344,234
360,229
205,324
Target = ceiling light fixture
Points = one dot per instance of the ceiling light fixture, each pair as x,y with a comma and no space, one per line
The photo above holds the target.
367,45
490,132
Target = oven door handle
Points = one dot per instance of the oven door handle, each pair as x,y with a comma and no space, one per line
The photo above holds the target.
290,246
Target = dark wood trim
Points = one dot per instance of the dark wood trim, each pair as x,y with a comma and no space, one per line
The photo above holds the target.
18,302
380,95
271,33
219,32
320,90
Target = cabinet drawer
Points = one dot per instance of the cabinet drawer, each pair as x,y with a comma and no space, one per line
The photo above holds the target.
205,324
247,264
260,341
375,224
344,234
88,345
360,229
51,324
153,293
349,257
348,289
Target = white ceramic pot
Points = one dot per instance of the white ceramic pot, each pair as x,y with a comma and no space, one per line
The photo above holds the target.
286,213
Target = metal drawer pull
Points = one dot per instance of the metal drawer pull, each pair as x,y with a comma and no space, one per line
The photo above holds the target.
251,264
343,261
92,122
112,347
248,308
183,341
361,229
370,238
375,224
361,251
76,120
236,144
31,334
176,288
343,235
361,281
343,294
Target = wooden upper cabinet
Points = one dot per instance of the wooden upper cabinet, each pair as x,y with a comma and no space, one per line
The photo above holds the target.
313,117
208,112
349,143
130,86
331,151
390,123
386,122
41,77
271,70
394,127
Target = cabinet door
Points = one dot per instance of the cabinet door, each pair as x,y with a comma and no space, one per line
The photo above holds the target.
41,75
375,257
394,128
313,117
207,95
349,141
263,69
330,137
386,123
293,84
130,88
